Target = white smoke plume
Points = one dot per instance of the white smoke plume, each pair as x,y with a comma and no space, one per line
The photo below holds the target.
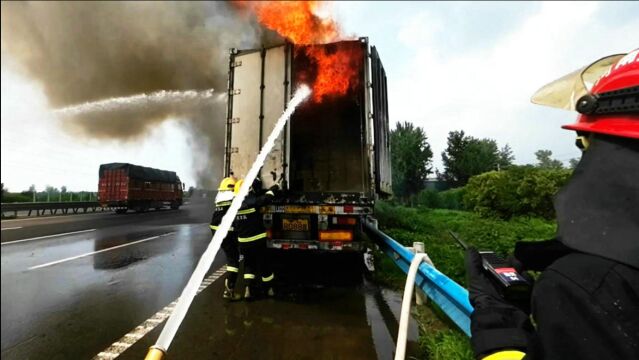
84,52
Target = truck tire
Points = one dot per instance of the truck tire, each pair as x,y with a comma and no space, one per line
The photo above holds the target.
175,206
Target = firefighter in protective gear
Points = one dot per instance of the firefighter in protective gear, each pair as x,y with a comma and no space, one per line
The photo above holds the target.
223,201
251,237
585,303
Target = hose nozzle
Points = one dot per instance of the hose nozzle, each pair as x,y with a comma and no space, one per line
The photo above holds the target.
155,353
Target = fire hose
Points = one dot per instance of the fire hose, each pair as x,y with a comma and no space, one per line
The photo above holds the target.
160,348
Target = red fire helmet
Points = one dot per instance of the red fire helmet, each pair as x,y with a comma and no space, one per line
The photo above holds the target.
605,93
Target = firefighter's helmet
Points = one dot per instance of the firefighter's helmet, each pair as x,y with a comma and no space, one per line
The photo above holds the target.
605,93
238,185
255,187
227,184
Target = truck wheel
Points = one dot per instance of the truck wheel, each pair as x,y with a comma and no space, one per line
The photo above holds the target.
175,206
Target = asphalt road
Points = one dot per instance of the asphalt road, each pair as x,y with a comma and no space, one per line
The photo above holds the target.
72,286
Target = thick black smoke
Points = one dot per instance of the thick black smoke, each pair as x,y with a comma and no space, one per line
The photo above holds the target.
87,51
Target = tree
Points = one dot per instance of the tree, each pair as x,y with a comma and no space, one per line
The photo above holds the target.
481,156
411,159
466,156
506,157
50,190
63,189
452,157
32,191
545,161
191,190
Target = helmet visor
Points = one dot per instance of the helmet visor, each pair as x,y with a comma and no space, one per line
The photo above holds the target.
564,92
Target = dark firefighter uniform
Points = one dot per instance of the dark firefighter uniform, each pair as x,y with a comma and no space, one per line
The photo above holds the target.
585,303
251,237
229,244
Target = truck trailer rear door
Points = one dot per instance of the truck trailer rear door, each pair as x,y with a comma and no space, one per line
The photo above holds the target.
257,96
383,176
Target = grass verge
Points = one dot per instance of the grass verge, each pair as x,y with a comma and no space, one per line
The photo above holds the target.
439,339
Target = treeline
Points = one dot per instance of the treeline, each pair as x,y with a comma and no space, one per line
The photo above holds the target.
49,194
477,175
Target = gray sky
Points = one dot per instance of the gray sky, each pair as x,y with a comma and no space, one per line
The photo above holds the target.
450,66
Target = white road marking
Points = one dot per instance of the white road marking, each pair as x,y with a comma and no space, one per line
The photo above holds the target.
106,355
96,252
46,237
12,228
125,342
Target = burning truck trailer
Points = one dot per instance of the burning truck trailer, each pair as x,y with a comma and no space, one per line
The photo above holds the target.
332,159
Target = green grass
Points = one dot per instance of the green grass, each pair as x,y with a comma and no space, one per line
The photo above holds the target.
438,337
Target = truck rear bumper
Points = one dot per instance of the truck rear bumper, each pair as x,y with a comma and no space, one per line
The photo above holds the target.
331,246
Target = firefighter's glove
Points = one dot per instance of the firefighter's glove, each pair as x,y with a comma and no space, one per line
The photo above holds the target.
495,324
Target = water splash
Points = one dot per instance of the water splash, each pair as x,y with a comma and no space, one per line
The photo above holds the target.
139,101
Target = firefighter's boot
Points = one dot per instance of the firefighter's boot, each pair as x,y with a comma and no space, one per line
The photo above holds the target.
229,291
268,285
249,290
270,292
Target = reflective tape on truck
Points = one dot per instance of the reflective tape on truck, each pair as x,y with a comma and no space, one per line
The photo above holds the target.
319,209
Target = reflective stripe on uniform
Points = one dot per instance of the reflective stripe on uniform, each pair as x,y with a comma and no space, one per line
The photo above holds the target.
270,193
232,268
506,355
215,227
252,238
268,278
249,276
223,203
246,211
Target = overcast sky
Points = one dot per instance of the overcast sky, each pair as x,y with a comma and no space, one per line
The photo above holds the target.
450,66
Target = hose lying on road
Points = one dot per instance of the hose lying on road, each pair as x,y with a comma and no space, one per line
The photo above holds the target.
168,332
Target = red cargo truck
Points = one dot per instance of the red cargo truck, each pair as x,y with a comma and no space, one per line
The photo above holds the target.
125,186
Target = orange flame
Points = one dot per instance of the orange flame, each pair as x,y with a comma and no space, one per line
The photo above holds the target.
337,71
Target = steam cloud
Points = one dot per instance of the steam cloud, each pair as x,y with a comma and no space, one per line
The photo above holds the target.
82,52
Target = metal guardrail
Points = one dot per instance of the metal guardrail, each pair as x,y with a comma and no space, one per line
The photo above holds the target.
41,208
451,297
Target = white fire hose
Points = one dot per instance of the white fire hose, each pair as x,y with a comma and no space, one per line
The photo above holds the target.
158,350
402,334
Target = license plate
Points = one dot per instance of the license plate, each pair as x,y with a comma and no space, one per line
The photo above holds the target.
298,209
295,224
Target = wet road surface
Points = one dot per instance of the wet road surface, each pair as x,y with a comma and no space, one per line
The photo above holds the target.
71,296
